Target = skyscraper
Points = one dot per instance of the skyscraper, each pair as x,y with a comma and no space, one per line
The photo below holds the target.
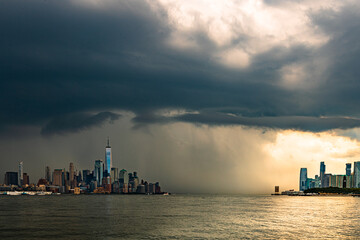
108,158
303,177
71,175
356,178
20,174
48,174
11,178
322,173
348,169
58,177
99,170
114,175
123,177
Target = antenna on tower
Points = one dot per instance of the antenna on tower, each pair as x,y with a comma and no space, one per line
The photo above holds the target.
108,141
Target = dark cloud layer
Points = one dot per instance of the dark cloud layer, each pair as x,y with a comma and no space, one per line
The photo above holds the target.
77,122
60,59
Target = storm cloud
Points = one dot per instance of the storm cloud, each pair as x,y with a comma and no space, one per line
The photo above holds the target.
61,59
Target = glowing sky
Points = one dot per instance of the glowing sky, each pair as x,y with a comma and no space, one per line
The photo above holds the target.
203,96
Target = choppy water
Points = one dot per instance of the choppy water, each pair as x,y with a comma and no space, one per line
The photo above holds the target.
179,217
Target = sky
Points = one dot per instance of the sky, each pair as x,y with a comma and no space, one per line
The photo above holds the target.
204,96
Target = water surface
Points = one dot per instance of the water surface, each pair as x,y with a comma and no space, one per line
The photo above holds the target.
178,217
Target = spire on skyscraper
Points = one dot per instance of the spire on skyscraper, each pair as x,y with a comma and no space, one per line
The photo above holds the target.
108,142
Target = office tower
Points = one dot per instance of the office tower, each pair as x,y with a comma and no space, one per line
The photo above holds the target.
349,181
135,181
11,178
58,177
79,178
99,170
71,173
303,177
48,174
123,177
114,175
322,173
326,181
356,178
26,180
348,169
20,174
152,188
158,188
86,176
108,158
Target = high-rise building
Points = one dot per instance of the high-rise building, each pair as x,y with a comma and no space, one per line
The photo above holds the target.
11,178
108,158
58,177
123,177
48,174
114,175
326,181
20,174
26,180
322,173
356,177
303,177
99,170
348,169
71,172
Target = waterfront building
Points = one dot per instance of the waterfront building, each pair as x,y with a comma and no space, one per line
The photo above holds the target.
303,177
26,180
333,182
114,175
48,174
158,188
356,174
86,176
71,173
326,181
11,178
322,173
20,174
99,170
108,158
340,181
141,189
123,177
349,181
312,183
58,177
152,188
348,169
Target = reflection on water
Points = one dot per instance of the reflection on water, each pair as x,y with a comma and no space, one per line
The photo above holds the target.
178,217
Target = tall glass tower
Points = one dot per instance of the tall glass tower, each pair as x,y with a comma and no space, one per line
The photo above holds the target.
108,158
303,177
99,170
322,173
357,174
20,174
348,169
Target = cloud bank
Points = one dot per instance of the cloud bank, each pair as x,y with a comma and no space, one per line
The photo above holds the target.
264,63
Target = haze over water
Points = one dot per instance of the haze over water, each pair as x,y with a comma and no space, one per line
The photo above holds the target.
178,217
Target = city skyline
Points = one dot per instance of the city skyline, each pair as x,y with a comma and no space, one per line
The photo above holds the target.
97,180
186,90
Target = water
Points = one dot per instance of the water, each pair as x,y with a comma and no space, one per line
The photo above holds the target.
178,217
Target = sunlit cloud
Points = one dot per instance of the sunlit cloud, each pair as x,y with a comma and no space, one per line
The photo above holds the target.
306,149
240,30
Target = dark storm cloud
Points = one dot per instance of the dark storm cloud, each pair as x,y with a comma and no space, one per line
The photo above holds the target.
314,124
61,59
77,122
